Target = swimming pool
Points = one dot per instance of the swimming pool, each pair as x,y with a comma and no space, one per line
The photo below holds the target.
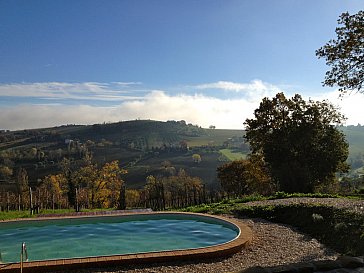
114,237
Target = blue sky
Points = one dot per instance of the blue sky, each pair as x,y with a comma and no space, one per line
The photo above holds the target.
207,62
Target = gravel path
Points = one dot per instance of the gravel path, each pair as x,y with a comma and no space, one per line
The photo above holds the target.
273,244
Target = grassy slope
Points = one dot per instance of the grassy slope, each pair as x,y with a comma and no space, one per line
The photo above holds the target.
355,137
213,136
232,155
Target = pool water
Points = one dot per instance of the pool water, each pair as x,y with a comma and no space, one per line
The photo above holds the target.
101,236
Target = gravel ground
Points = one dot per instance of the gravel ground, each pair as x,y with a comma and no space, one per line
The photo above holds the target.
273,244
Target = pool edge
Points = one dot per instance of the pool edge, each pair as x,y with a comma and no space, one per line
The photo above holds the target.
222,250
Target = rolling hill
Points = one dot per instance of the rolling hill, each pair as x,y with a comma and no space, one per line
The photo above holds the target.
140,146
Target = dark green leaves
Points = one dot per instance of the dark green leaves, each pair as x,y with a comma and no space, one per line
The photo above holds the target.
345,55
299,141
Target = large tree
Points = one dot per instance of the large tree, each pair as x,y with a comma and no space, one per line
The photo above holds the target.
299,141
345,55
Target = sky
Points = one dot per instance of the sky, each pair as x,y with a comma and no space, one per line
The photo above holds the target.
208,62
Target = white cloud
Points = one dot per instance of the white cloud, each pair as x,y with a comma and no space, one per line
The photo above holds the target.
254,91
351,105
197,109
62,90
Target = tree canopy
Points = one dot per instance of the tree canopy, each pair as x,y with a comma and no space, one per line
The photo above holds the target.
345,55
245,176
299,141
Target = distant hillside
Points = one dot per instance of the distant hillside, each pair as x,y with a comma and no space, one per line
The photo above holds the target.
140,146
355,137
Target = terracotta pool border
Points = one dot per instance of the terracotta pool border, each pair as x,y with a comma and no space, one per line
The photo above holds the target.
222,250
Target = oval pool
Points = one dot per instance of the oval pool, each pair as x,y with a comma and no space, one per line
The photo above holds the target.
98,241
100,236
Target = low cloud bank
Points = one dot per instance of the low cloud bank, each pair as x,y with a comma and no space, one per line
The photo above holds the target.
157,105
198,109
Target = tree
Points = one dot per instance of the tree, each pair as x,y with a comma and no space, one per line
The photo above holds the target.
299,141
105,186
196,158
245,176
154,190
5,172
22,185
68,170
345,55
56,188
111,186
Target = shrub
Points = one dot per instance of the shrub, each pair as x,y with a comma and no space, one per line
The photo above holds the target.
340,229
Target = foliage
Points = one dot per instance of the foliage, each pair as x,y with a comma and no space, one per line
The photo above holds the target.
22,185
175,191
345,55
242,177
196,158
91,187
299,141
54,189
14,215
339,229
22,148
282,195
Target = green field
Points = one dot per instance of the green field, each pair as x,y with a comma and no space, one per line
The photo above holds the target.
232,155
213,137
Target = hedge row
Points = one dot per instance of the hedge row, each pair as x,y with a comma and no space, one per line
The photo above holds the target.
337,228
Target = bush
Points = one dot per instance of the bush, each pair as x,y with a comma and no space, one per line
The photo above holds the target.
340,229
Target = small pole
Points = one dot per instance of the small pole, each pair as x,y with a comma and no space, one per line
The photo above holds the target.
21,259
22,252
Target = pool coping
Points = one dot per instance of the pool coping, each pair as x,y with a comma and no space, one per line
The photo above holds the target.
222,250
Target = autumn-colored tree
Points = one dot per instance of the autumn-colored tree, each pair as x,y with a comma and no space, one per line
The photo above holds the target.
111,188
55,189
85,178
196,158
132,198
245,176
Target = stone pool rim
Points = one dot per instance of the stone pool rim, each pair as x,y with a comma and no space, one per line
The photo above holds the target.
235,245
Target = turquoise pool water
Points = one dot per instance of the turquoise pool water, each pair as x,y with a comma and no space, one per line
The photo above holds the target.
99,236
